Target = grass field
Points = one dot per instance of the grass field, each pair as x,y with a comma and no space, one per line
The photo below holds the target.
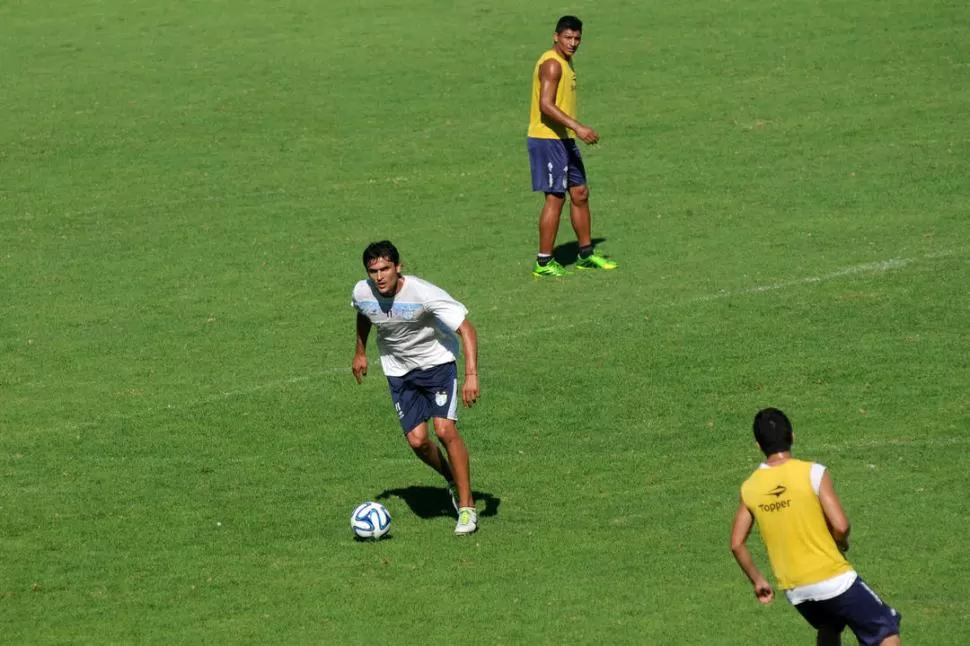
185,190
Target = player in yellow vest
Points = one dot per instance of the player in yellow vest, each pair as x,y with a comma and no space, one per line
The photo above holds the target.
557,166
806,532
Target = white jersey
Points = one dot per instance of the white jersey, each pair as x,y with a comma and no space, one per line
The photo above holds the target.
415,327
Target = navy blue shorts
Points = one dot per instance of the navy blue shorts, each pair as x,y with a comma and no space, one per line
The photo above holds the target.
859,608
556,165
422,394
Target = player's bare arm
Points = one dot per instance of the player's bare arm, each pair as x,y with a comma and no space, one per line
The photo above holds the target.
835,515
469,342
740,530
550,72
359,365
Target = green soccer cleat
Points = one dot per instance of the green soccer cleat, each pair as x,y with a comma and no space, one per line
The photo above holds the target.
552,268
595,261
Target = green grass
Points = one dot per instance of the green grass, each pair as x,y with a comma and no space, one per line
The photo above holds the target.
186,191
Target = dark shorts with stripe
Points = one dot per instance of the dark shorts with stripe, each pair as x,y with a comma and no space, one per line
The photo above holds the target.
422,394
556,164
859,608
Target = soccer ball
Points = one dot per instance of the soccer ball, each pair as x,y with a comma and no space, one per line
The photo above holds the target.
370,520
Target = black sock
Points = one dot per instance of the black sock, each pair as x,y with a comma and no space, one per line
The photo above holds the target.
543,260
586,251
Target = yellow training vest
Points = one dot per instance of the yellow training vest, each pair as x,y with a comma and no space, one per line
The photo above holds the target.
792,525
541,126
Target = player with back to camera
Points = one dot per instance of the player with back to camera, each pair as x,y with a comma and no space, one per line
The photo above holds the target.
806,532
554,158
417,323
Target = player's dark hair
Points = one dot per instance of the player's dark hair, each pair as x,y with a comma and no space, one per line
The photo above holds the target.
569,22
772,431
382,249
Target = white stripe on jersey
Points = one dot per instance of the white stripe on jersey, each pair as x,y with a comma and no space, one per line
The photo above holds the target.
415,328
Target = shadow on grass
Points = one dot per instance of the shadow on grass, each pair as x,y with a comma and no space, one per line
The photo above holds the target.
382,539
431,502
566,254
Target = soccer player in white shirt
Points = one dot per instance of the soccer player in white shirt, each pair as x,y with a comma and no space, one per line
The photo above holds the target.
417,323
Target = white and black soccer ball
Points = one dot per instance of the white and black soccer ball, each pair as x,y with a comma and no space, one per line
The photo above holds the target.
370,520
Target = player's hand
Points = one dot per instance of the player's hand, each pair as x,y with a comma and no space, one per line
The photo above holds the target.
588,135
469,391
359,367
763,591
843,545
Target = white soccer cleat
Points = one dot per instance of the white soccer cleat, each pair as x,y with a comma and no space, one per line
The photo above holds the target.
467,521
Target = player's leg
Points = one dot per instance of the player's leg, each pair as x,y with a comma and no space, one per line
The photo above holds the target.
546,264
547,161
447,432
426,449
413,411
578,188
441,386
549,222
579,214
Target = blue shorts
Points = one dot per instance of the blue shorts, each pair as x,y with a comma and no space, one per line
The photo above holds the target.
556,165
422,394
859,608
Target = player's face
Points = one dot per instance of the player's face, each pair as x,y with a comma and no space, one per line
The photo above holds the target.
567,42
384,274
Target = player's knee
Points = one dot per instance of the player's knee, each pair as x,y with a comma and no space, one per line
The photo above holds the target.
445,429
579,195
418,440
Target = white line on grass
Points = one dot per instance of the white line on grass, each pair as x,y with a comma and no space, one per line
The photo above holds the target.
882,266
269,385
865,268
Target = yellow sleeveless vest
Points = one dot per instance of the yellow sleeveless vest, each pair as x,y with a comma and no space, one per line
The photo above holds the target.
540,126
792,525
